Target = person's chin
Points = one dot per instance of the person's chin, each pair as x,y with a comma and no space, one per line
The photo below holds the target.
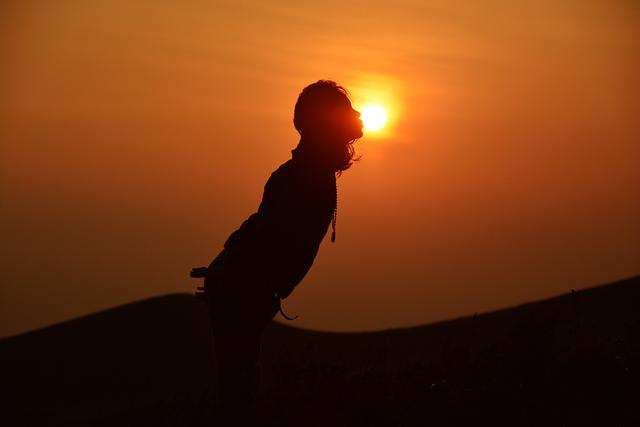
352,134
357,133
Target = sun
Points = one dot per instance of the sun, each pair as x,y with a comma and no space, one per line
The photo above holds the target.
373,117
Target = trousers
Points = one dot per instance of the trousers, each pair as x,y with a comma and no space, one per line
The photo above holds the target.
240,308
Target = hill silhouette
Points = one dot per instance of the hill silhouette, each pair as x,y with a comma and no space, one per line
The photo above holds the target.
569,360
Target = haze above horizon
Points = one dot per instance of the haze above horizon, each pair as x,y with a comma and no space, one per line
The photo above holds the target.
135,137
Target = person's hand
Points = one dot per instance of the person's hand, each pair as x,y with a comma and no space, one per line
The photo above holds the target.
196,273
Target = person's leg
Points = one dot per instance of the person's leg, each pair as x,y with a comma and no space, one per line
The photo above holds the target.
237,358
238,320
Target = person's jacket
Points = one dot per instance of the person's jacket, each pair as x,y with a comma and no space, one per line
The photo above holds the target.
280,241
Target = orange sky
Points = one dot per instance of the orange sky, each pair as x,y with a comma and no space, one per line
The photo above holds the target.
135,136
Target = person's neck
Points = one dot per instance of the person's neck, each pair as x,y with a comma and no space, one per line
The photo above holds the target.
311,151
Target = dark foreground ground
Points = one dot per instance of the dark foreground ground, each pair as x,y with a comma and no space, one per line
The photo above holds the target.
570,360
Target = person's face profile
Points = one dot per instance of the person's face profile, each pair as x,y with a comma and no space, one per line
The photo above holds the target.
344,121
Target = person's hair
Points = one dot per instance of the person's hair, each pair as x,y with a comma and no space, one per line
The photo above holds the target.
320,95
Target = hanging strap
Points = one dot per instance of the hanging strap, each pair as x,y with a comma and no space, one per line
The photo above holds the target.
335,215
285,314
282,311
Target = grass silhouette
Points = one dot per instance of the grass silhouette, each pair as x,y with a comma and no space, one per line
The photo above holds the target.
569,360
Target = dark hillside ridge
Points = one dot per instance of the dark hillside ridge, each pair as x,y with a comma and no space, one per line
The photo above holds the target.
140,352
569,360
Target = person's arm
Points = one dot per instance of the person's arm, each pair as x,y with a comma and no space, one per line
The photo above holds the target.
282,238
291,226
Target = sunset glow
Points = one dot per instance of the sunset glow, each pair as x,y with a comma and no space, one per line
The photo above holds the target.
497,165
373,117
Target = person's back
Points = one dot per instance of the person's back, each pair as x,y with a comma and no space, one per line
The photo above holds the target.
282,238
265,259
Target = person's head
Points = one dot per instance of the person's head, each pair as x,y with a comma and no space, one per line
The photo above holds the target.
327,122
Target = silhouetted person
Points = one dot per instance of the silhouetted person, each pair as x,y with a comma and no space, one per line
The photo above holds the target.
264,260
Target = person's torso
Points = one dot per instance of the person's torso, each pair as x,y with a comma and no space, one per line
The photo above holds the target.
281,240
